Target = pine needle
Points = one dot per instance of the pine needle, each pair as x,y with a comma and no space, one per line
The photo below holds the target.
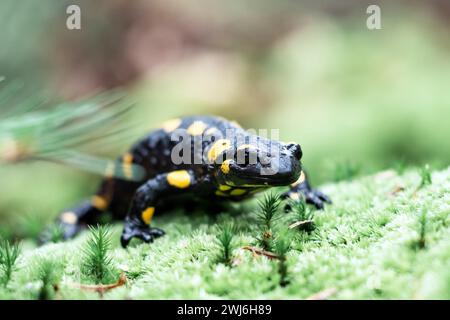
49,273
266,215
425,175
97,262
281,247
303,216
268,209
9,253
31,129
224,240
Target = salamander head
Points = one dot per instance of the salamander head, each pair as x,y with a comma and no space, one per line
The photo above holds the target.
264,163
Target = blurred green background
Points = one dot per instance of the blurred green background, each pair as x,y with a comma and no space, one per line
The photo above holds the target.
354,98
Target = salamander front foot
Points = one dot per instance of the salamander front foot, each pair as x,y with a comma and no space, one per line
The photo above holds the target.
312,196
143,232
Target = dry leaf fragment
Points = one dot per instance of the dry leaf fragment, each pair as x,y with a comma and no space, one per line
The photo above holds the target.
259,252
323,295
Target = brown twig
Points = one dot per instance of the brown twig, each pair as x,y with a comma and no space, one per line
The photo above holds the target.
102,288
260,252
323,295
300,223
397,190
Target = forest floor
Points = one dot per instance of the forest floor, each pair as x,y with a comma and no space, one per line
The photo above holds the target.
384,236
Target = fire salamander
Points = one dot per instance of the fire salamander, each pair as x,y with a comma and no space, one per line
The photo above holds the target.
192,158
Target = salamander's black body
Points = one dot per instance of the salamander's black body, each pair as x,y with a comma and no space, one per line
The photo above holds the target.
225,163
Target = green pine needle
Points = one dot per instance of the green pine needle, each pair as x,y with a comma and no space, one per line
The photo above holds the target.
267,215
282,246
97,262
400,165
421,243
303,216
425,174
268,210
49,273
224,239
9,253
56,233
66,133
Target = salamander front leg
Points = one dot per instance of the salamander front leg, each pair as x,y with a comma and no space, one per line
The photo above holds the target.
302,188
146,198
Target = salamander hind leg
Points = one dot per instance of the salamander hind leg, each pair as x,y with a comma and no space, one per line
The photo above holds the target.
71,222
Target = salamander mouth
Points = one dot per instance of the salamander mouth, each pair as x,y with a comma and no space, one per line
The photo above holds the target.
256,176
267,180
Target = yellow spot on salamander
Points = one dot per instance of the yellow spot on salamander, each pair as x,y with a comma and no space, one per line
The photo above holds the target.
69,218
127,158
99,202
127,165
225,167
197,128
238,192
301,179
171,125
147,215
221,194
246,146
179,179
223,187
217,148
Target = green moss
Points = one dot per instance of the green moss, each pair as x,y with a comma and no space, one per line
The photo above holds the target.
361,246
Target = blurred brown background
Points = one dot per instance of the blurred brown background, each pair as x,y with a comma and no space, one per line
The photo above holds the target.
369,99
